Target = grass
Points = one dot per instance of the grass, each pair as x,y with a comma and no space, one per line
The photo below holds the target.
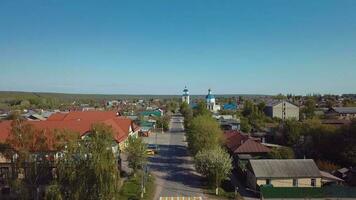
131,189
222,193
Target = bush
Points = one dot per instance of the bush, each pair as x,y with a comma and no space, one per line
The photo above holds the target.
53,192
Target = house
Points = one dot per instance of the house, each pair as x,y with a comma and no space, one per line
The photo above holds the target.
342,113
228,122
347,174
243,147
152,113
282,109
77,122
146,128
283,173
81,123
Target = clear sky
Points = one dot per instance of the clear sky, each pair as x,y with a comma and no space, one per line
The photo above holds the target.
159,46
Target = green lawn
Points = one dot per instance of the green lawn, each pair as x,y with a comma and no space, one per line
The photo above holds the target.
131,189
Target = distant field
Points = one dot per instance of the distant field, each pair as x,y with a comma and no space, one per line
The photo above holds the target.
66,96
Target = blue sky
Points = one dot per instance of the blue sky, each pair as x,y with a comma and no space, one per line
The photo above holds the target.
159,46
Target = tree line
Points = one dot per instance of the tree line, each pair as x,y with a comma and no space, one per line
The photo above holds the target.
205,140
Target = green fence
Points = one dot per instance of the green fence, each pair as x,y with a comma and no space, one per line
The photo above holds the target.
297,192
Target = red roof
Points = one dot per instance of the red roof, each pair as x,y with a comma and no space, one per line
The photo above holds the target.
80,122
243,144
85,115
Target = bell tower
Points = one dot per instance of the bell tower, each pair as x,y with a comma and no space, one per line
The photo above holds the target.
185,96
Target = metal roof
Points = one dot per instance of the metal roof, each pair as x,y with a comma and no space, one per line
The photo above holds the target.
287,168
345,110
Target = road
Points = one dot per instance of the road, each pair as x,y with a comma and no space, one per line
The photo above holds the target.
173,167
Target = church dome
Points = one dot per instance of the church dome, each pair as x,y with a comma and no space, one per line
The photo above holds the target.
185,92
210,97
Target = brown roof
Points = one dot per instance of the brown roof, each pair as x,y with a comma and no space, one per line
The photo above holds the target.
82,115
243,144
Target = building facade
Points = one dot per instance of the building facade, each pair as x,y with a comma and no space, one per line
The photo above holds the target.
211,103
282,110
283,173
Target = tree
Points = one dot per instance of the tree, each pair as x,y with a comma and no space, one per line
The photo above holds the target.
204,132
172,106
245,125
28,146
281,153
291,131
187,113
214,164
201,109
136,151
163,122
53,192
88,168
309,109
348,152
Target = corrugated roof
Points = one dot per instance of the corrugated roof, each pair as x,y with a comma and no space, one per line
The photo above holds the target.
287,168
345,110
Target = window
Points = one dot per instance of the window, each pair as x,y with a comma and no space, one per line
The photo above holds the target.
313,182
295,182
268,181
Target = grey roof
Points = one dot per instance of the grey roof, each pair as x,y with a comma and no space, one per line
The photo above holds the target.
345,110
288,168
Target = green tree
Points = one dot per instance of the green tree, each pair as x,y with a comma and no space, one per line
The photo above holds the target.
204,132
53,192
201,109
163,122
88,168
281,153
187,113
309,108
136,151
245,125
214,164
172,106
291,130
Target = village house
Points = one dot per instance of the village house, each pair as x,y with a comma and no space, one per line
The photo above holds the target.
243,147
346,113
228,122
283,173
282,109
77,122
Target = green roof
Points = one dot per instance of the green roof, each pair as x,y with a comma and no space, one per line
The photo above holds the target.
300,192
151,113
146,124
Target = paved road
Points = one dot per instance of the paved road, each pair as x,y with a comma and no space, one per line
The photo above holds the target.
173,167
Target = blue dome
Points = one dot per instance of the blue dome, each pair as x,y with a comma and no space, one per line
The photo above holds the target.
209,96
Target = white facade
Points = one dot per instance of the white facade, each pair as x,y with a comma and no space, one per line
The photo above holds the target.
185,96
211,103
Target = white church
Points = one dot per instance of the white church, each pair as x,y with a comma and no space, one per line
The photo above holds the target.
211,103
209,100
